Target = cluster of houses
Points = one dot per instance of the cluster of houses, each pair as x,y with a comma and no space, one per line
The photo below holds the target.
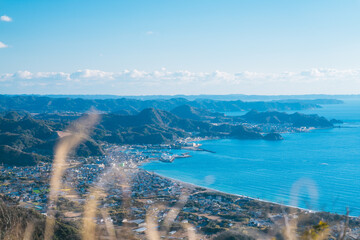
119,176
279,128
131,193
26,185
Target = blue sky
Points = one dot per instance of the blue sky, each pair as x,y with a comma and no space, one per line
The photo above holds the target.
215,46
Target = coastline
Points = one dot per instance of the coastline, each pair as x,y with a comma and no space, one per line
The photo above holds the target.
257,200
340,210
191,185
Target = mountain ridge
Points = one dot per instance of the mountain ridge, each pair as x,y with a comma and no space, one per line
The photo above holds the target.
42,104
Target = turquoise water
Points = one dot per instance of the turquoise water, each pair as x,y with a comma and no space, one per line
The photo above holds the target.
318,170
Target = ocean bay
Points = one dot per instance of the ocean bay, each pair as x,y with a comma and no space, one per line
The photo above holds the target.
317,170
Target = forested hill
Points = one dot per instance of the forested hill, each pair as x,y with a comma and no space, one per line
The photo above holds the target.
295,119
40,104
153,126
26,141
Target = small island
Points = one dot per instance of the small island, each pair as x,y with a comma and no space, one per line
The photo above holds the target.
273,137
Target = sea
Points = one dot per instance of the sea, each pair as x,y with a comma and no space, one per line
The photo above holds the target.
317,170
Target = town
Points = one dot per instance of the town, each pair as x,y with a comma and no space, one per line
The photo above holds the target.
131,195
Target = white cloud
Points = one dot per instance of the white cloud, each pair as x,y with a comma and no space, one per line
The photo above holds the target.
3,45
5,18
149,33
23,75
163,81
89,74
52,76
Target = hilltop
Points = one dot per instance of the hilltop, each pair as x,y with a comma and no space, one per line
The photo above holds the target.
200,114
295,119
153,126
26,141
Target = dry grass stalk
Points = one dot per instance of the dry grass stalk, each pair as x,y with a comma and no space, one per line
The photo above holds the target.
290,227
30,227
89,219
152,232
79,131
108,224
174,211
190,230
